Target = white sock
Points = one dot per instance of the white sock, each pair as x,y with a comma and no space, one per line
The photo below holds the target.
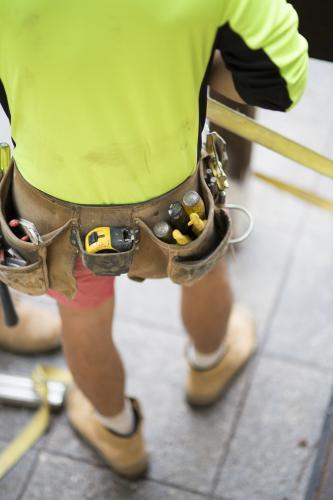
205,361
122,423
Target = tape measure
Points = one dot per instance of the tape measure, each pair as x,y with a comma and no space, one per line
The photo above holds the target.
109,240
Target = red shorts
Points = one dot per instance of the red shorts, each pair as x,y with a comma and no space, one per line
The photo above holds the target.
92,290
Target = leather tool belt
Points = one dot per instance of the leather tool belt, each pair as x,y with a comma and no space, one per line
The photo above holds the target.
50,262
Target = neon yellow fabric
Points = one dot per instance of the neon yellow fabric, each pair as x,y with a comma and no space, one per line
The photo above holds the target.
272,26
104,96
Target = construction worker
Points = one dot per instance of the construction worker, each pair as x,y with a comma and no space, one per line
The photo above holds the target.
107,106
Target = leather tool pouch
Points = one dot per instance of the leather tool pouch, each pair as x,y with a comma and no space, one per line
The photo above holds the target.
61,226
104,264
32,278
184,264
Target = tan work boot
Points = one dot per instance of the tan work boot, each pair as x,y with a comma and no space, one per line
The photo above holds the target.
38,330
126,455
204,387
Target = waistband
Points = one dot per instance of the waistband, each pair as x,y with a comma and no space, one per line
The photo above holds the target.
20,179
44,209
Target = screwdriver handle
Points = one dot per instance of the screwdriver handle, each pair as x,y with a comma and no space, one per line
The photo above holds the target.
5,155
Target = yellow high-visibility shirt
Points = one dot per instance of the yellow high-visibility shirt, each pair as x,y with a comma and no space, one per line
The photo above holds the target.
107,98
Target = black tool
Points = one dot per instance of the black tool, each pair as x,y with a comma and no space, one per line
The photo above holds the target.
10,316
9,311
163,231
178,217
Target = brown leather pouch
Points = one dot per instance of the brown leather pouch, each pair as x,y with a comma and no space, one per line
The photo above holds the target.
33,277
62,226
184,265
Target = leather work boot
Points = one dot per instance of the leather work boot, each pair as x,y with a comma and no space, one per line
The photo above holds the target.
204,387
126,455
38,330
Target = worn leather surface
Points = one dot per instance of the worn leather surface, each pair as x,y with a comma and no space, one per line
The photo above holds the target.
57,221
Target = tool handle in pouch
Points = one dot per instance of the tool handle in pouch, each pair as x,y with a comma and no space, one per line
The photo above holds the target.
10,315
5,156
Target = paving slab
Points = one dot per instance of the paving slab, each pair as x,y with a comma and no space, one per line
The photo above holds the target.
302,327
58,477
153,303
15,480
13,420
63,440
278,430
258,268
301,484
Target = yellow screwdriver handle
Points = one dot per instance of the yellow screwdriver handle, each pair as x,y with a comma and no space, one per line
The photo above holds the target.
5,155
181,239
198,225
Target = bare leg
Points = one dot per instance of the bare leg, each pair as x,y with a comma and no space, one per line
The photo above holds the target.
92,356
206,308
